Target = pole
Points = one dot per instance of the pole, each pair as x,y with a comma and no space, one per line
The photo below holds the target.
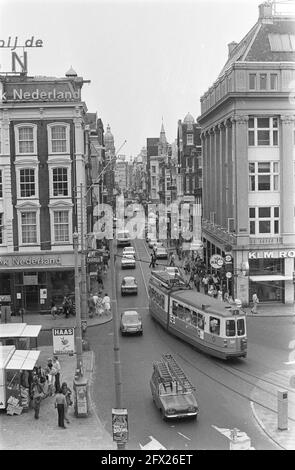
83,264
117,362
78,310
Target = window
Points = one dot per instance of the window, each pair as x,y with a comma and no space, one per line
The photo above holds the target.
26,139
262,81
1,185
273,81
252,81
27,182
60,182
240,326
61,226
264,220
189,139
263,176
58,139
153,168
1,229
153,181
214,325
230,328
29,227
282,42
263,131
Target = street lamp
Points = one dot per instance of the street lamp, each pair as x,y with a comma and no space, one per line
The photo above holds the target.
78,310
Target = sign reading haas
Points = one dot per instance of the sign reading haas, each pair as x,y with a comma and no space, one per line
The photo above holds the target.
15,58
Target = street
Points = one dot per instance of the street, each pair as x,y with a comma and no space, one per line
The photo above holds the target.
223,389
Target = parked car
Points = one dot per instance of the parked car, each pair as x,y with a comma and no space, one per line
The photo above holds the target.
161,252
128,285
128,250
172,392
151,242
131,322
127,261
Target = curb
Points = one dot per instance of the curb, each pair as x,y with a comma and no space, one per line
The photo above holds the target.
88,326
263,427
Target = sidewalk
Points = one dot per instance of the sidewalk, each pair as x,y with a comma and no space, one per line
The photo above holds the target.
23,432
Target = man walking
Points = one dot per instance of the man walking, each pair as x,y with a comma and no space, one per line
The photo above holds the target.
255,301
57,367
60,404
37,392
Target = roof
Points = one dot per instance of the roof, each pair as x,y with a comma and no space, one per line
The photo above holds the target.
19,330
5,354
23,360
258,44
209,304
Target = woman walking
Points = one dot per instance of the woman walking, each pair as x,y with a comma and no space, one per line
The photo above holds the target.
67,393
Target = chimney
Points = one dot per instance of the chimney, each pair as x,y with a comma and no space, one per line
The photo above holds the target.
265,10
231,47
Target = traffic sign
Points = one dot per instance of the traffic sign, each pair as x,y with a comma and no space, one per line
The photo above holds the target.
216,261
229,275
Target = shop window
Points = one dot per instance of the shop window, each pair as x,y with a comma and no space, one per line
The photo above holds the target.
230,328
214,325
27,182
263,131
60,181
29,227
258,267
61,226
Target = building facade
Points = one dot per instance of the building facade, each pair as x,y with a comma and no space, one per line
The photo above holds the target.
247,125
43,163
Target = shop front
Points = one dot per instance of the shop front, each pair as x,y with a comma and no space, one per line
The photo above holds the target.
33,281
271,275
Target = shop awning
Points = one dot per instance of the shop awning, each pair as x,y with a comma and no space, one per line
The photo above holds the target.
275,277
23,360
5,354
31,331
11,330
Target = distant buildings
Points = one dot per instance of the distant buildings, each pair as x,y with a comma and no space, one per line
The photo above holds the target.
247,121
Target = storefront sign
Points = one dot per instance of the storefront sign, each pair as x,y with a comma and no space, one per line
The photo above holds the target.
5,298
271,254
120,424
31,280
28,261
216,261
63,340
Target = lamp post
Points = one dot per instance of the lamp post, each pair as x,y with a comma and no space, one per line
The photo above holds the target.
78,310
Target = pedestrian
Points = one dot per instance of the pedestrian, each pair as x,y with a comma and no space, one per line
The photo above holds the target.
57,368
60,403
91,305
95,299
67,393
50,373
53,309
172,260
37,394
197,281
66,306
255,301
153,260
99,279
205,282
99,306
106,302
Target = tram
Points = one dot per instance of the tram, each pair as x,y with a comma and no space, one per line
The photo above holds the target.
214,327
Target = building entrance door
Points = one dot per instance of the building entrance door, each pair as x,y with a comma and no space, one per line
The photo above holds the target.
31,298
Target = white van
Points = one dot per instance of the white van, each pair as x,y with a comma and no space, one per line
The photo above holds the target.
123,238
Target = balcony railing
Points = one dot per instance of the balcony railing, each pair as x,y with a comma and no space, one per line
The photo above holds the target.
265,240
219,231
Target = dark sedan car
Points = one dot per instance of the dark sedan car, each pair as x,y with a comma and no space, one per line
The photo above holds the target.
128,285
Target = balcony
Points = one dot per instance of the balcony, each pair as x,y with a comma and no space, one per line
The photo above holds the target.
219,232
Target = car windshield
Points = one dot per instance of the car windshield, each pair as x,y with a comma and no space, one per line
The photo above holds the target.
130,318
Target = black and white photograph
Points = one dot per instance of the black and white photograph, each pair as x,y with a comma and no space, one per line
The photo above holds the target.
147,228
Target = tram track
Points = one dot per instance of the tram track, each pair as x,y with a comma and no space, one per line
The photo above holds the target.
248,381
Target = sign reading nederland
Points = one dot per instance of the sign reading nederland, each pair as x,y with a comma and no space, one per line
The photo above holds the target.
63,340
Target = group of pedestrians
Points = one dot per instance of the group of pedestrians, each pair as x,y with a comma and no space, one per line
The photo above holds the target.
98,305
67,308
45,382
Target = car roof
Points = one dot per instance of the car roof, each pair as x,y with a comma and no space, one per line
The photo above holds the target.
130,312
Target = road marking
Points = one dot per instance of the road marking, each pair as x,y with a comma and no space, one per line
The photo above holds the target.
180,433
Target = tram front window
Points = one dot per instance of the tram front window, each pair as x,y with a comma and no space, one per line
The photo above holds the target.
230,327
241,326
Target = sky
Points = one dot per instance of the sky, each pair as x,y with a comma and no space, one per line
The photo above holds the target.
147,60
